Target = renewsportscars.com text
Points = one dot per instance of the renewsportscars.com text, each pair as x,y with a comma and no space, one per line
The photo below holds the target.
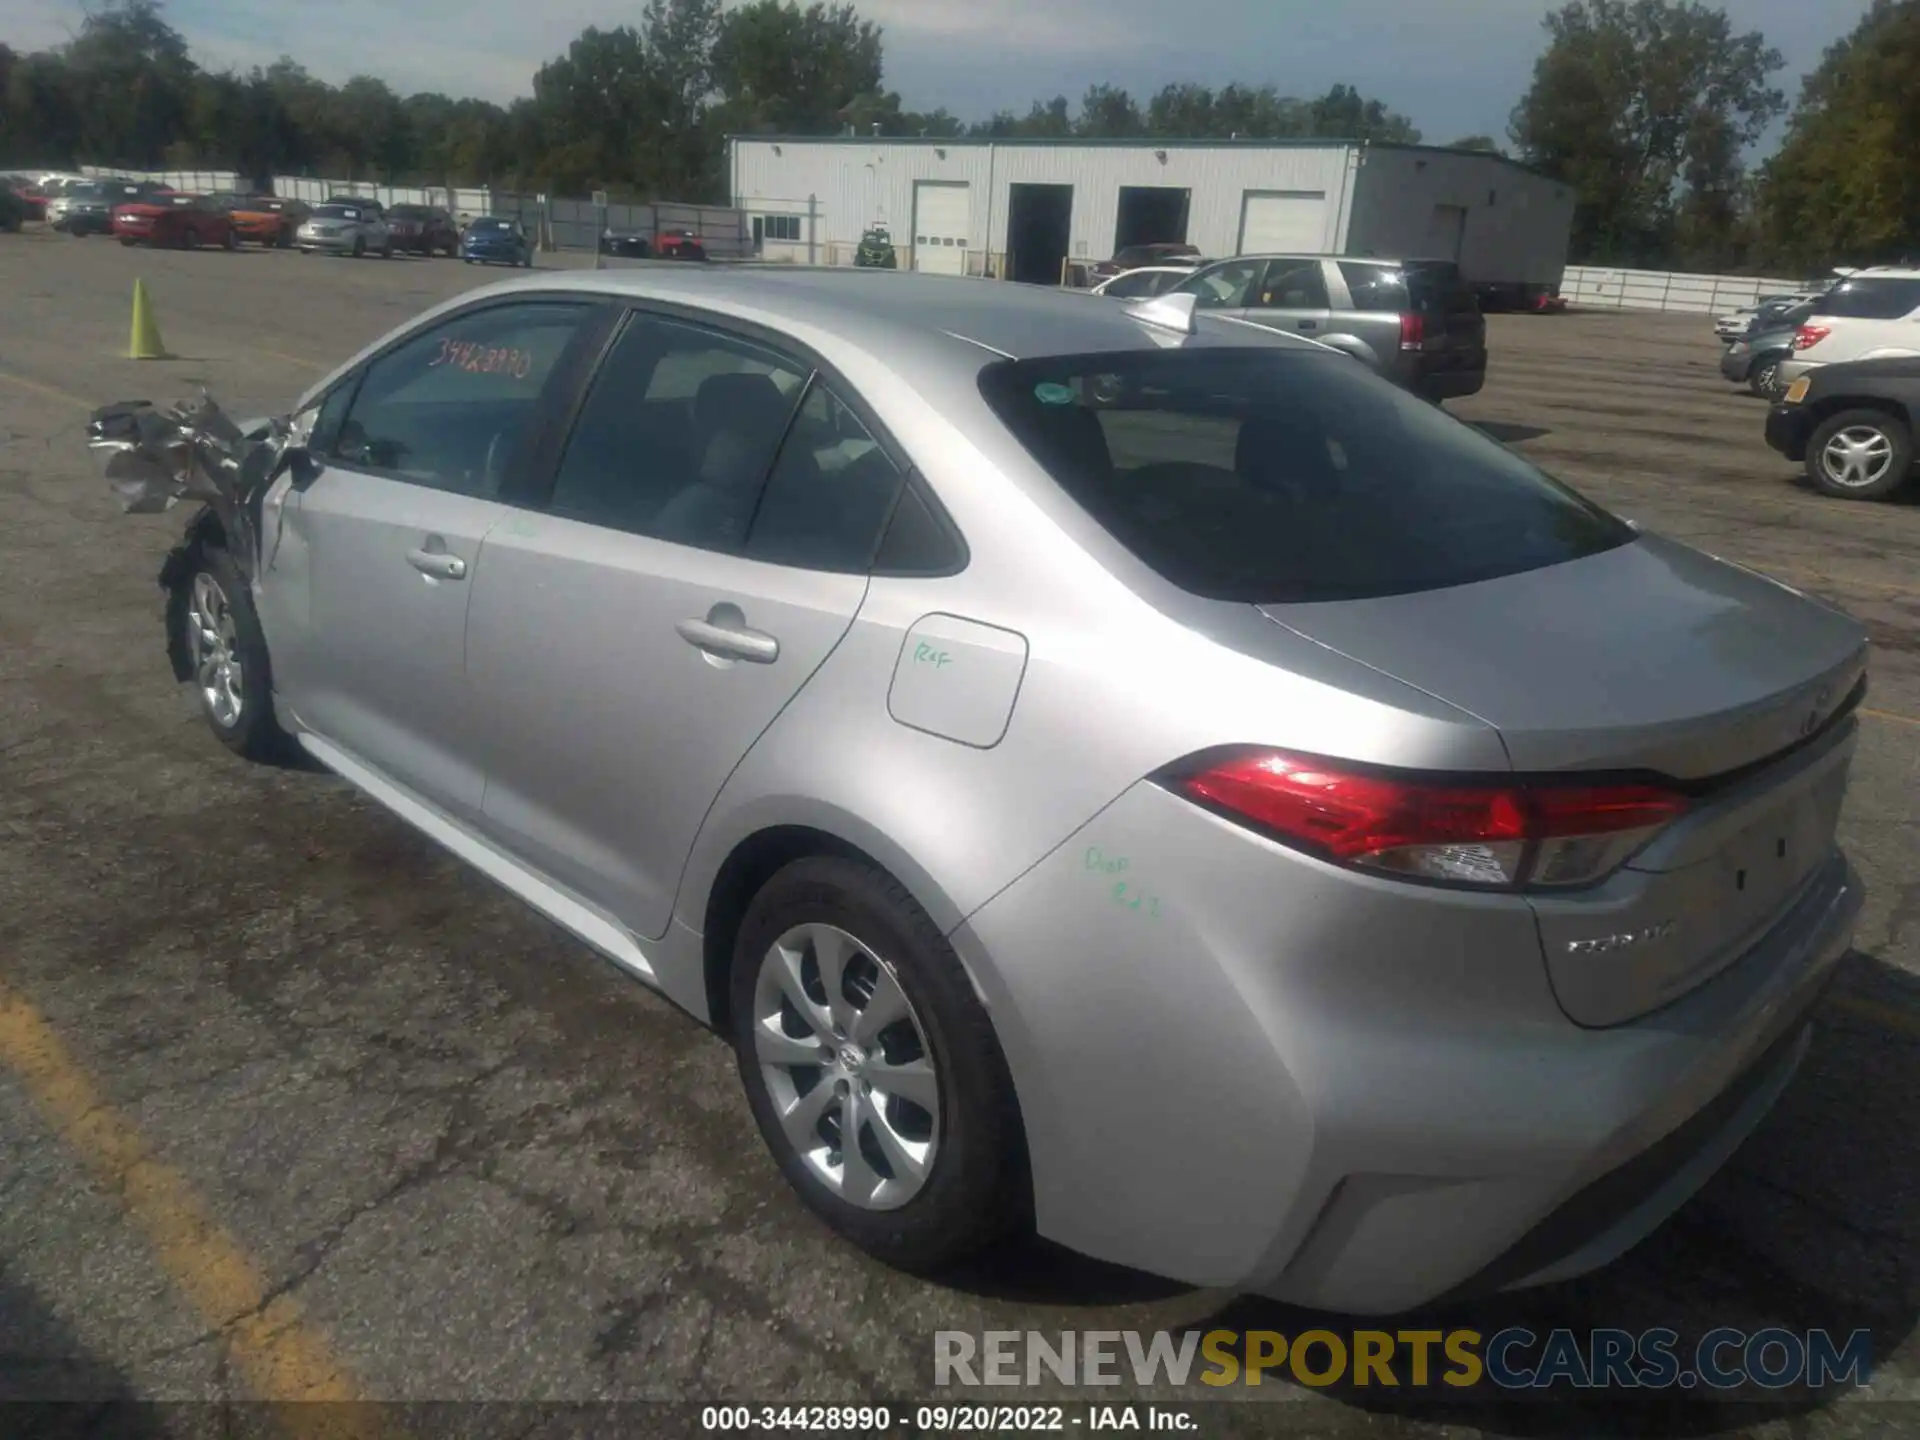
1510,1359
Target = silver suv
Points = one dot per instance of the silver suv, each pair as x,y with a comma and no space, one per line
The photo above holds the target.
346,228
1415,322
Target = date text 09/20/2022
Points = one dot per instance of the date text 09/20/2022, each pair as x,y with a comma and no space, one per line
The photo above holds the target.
945,1419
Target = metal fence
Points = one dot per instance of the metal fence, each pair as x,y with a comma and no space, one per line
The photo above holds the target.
558,223
1601,288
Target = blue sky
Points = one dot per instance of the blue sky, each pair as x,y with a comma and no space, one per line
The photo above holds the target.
1455,66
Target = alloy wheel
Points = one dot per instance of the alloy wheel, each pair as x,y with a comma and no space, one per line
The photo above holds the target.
847,1066
214,647
1856,457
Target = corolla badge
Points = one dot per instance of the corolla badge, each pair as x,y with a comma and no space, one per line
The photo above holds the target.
1625,940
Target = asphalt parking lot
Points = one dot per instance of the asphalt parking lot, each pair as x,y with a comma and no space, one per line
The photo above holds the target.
293,1105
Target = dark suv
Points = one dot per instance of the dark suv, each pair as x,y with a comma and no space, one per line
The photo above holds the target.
1416,322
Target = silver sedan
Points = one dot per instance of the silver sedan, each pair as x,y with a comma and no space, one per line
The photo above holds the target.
1104,769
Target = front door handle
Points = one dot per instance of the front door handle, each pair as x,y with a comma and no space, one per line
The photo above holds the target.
730,642
438,564
1309,324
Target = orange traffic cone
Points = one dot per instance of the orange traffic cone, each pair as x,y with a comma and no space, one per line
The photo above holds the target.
145,342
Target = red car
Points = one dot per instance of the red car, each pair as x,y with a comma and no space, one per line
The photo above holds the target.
679,243
175,220
30,195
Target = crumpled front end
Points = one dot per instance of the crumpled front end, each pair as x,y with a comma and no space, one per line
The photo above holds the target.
194,451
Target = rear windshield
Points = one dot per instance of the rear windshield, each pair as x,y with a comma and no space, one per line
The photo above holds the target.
338,212
1266,476
490,224
1872,297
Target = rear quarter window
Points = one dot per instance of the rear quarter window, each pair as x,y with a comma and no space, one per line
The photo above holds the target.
1265,476
1872,297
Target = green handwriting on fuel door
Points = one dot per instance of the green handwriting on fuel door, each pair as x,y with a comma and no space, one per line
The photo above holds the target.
925,654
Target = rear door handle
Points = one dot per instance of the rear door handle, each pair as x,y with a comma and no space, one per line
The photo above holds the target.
730,642
1309,324
438,564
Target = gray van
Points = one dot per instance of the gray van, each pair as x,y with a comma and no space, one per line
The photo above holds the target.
1416,322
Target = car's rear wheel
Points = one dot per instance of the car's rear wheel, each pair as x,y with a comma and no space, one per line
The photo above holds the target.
359,246
1860,455
872,1069
216,628
1764,378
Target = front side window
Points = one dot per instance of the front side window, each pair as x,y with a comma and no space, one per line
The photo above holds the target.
1135,286
677,434
1224,287
450,407
1269,476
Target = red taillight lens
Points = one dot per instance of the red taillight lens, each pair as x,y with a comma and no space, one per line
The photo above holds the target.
1413,332
1505,835
1808,336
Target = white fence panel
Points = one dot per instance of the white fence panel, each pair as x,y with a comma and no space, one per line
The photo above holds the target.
1605,288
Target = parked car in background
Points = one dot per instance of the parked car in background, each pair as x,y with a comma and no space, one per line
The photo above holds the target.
1415,322
496,240
677,242
1442,898
1755,360
13,210
627,244
88,207
423,230
33,199
1852,425
346,227
1147,281
1139,257
1871,314
268,220
174,220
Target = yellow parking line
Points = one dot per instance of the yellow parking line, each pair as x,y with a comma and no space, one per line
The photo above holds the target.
1889,715
300,360
52,392
280,1355
1887,1017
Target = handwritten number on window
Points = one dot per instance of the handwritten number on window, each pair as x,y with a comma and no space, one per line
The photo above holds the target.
476,359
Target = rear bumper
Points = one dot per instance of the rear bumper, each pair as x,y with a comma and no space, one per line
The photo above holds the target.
1451,384
1736,365
1362,1096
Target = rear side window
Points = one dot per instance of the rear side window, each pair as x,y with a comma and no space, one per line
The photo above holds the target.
1872,297
830,492
1266,476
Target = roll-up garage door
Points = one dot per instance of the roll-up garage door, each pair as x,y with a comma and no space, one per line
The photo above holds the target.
942,223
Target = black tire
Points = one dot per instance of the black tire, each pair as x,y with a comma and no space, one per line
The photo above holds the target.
359,246
254,733
232,241
1764,378
1893,476
978,1190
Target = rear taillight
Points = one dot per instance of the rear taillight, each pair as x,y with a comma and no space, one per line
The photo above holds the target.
1808,336
1413,332
1546,832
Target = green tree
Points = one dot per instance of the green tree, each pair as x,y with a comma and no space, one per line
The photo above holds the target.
1484,143
131,78
1645,108
783,70
1108,113
1844,187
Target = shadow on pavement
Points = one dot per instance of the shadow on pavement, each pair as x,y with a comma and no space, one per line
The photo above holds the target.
49,1386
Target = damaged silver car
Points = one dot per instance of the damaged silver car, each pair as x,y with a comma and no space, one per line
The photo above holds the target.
1105,767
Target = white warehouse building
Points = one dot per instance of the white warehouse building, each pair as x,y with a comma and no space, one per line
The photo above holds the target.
1037,210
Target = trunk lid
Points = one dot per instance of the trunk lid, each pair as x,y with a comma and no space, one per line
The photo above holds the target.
1649,657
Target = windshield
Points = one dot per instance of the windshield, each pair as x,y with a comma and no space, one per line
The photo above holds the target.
338,212
1268,476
